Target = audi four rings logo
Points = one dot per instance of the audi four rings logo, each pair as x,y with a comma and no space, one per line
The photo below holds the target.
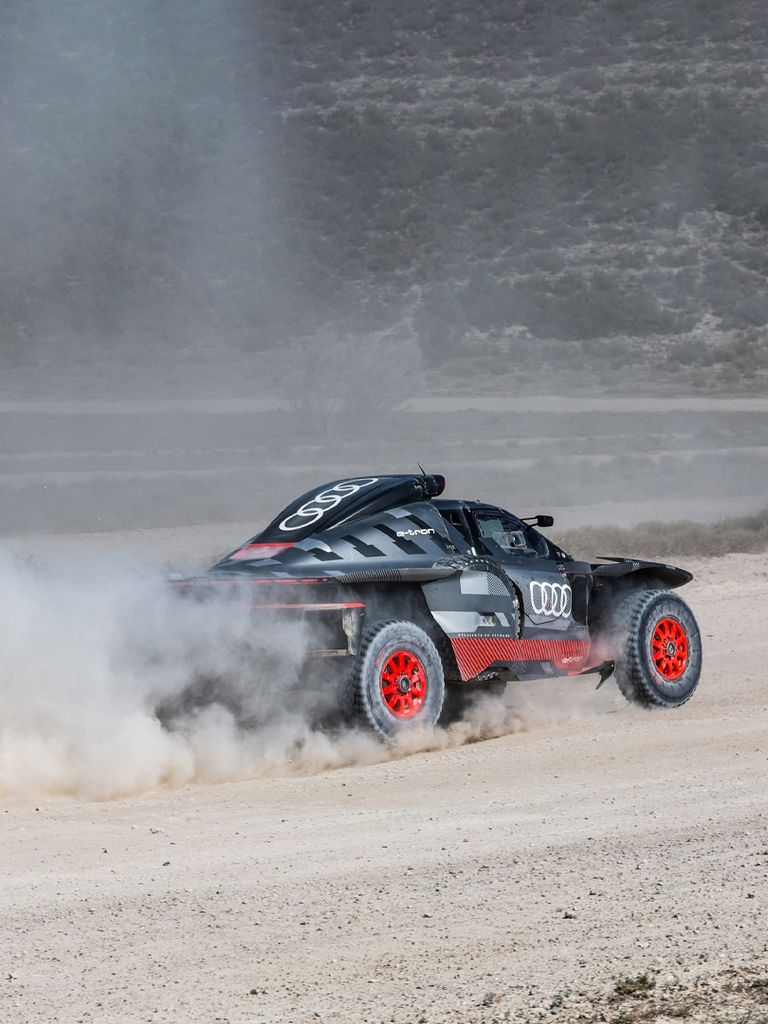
316,507
553,599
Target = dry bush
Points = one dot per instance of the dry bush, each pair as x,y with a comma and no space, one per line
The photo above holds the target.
670,540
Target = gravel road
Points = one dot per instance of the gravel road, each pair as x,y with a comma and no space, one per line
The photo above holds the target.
516,878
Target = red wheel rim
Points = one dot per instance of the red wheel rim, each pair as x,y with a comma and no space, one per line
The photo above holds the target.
669,649
403,684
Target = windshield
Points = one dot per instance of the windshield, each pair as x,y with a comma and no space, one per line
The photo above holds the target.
505,536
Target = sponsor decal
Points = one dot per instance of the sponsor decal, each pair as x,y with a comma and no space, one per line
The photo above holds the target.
551,599
313,510
414,533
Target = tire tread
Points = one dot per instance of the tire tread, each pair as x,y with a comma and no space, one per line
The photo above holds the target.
631,672
355,706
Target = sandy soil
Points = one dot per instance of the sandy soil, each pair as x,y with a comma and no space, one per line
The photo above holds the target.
516,878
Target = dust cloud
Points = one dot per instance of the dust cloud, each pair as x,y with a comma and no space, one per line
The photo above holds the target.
113,685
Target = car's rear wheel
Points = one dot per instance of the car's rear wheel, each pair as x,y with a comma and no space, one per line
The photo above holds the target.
396,681
658,649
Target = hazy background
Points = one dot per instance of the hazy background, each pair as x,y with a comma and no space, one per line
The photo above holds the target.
252,246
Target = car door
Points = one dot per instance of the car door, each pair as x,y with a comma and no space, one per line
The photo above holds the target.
542,584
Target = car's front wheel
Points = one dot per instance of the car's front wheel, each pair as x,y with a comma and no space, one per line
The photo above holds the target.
396,681
658,649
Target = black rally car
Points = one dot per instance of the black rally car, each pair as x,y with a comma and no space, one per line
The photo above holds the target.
425,601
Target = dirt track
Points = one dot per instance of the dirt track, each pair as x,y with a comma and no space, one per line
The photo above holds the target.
457,885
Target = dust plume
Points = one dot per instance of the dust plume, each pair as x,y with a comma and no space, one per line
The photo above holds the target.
112,685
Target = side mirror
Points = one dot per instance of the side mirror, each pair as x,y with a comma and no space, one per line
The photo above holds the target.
545,521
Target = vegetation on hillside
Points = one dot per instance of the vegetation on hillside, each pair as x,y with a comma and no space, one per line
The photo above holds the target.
515,184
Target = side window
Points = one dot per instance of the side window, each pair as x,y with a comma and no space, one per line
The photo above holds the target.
502,535
457,525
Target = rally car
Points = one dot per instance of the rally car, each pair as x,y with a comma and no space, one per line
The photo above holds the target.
423,601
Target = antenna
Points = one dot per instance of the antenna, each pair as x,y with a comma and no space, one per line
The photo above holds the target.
421,468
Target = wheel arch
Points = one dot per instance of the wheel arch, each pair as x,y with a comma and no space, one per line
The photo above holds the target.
408,601
371,694
614,580
641,574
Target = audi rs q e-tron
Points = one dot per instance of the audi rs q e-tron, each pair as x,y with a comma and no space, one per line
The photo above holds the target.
421,602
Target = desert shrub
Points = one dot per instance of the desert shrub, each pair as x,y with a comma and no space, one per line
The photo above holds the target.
692,352
490,94
745,534
321,94
576,307
548,260
638,986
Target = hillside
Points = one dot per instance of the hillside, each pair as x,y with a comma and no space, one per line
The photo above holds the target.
563,192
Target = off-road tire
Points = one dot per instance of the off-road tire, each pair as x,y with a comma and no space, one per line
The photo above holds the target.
644,673
364,701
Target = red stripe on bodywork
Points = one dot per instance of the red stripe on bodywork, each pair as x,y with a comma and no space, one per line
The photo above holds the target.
240,581
333,606
254,551
474,654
